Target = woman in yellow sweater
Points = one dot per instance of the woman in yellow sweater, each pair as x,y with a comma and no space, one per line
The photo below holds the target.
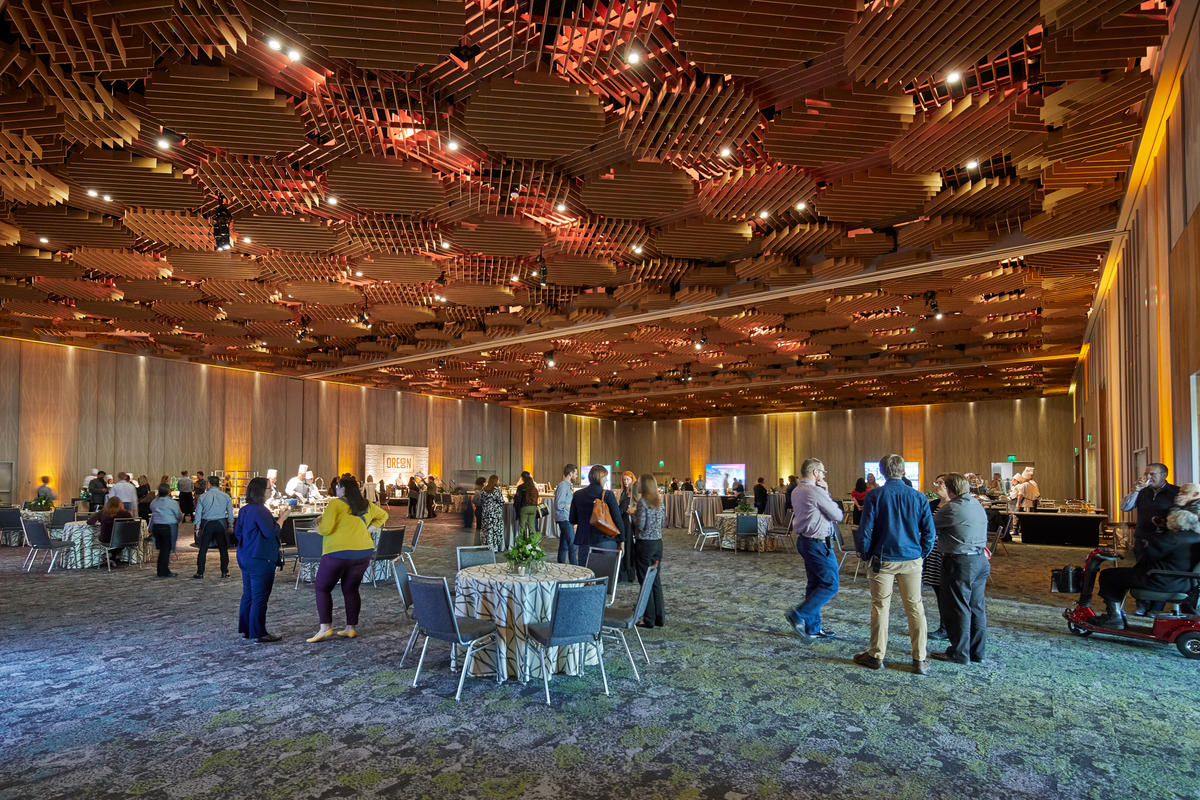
346,554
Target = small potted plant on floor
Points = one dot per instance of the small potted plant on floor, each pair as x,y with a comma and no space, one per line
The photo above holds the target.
526,557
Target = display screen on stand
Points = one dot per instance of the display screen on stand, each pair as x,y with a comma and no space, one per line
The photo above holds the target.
912,471
720,477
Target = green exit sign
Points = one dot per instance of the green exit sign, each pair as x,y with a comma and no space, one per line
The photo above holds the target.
616,463
1012,458
662,464
478,459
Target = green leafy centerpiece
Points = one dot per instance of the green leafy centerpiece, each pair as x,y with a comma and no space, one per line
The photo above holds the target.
744,506
526,556
41,503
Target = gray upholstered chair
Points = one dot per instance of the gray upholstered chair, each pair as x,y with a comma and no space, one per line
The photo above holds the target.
605,563
436,620
618,620
474,555
40,542
388,549
309,548
577,617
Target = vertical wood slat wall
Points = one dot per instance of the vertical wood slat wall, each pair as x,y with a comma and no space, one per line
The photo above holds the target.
1133,397
950,437
67,410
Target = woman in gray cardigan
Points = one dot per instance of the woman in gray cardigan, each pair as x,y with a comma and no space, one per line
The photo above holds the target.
648,549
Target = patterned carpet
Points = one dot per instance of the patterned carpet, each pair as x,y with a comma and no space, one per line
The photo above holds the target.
123,686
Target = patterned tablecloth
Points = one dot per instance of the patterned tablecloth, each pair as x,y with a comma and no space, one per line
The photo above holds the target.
81,555
777,508
512,524
679,510
727,525
379,570
708,506
513,602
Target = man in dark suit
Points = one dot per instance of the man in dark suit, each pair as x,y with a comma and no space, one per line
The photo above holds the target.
760,496
1176,550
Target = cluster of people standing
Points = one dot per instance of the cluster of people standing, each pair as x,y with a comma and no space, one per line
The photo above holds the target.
897,533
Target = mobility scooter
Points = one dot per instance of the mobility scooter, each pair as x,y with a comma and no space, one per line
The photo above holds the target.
1182,630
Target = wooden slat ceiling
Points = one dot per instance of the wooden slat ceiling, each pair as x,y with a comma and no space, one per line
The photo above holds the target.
432,195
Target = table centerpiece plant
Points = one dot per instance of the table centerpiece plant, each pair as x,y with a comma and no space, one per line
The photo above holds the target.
41,503
526,556
744,506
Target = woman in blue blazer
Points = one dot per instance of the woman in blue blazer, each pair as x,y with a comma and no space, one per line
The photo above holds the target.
257,535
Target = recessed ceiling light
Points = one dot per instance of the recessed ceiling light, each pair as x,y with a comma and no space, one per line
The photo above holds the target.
764,214
293,54
245,240
637,248
938,315
801,205
634,57
164,144
726,152
561,207
515,278
331,200
953,77
451,145
93,193
358,273
106,198
274,44
43,240
972,164
445,245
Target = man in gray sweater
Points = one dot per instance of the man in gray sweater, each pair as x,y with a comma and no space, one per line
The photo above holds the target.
567,551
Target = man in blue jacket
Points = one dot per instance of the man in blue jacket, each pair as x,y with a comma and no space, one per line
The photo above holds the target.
896,534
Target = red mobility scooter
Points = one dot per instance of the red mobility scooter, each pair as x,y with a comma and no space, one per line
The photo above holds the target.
1182,630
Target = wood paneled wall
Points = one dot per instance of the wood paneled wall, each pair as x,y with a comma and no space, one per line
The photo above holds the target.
952,437
67,410
1133,395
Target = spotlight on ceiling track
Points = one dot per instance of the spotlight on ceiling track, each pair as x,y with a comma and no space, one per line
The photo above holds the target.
92,193
515,278
331,200
764,214
163,143
637,248
293,54
953,77
550,358
801,205
451,145
972,164
274,44
561,207
699,344
445,245
633,57
726,152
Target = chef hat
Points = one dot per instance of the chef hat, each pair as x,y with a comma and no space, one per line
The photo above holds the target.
308,474
271,473
302,468
95,472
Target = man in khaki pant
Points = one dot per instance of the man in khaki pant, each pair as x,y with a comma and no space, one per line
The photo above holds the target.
896,533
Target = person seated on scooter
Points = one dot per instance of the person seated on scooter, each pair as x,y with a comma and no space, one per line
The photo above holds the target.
1177,550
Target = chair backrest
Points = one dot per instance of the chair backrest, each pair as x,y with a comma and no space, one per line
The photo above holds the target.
62,516
432,608
644,594
35,532
10,519
605,564
747,523
578,612
126,533
696,516
309,545
474,556
390,544
306,523
417,535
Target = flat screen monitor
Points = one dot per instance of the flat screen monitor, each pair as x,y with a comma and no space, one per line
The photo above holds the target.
912,471
719,477
586,468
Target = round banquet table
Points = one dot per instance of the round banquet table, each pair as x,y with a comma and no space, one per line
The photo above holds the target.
777,507
708,506
679,510
80,554
727,525
491,592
